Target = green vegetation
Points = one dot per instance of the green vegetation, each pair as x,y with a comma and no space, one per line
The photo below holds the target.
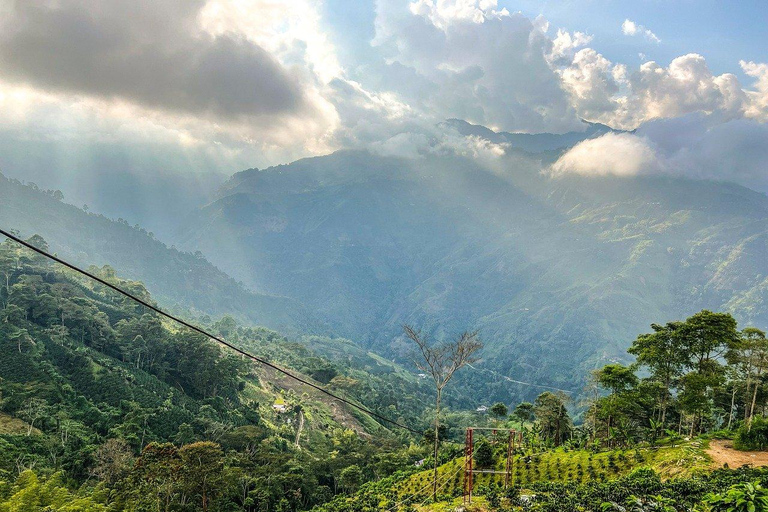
186,282
105,406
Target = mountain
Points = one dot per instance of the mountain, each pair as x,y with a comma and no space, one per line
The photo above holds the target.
531,142
184,281
558,275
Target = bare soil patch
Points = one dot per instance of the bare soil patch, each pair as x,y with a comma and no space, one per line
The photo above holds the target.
722,452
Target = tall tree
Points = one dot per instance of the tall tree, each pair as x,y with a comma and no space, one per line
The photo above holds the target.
442,362
705,338
616,378
523,412
552,416
660,352
750,355
499,411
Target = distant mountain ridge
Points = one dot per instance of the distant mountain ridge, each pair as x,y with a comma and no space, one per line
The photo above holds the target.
532,142
557,274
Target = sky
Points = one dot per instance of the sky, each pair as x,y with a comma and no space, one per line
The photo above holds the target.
144,91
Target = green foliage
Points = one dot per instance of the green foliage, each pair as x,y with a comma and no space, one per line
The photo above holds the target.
499,410
483,454
552,417
752,437
744,497
100,392
31,493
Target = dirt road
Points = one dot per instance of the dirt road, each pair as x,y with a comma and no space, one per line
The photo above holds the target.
722,452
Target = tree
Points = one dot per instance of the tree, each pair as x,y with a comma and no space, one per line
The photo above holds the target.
202,471
751,356
616,378
442,362
350,478
704,339
499,410
33,410
523,412
552,416
661,353
483,454
113,461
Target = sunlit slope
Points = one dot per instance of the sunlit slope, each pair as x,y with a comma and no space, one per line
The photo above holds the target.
185,281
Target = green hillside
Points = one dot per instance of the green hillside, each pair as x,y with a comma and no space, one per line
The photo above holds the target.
184,281
100,395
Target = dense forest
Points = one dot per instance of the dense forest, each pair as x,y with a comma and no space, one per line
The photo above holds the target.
107,406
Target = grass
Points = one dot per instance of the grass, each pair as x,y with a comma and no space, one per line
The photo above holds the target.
11,425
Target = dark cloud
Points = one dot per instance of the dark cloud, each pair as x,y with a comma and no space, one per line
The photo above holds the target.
149,52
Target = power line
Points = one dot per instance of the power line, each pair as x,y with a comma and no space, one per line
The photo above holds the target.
510,379
204,332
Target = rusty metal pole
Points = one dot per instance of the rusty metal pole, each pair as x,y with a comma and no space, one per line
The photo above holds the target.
468,449
510,448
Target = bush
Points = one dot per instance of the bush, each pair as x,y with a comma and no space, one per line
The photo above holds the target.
754,438
746,497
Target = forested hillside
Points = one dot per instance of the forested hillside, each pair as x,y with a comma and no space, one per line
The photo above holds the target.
557,274
643,443
100,395
185,281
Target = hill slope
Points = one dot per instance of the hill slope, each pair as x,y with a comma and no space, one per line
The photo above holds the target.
184,280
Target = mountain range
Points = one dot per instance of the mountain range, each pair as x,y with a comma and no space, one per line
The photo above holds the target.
558,274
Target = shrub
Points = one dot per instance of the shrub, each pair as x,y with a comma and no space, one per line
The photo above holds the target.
754,438
744,497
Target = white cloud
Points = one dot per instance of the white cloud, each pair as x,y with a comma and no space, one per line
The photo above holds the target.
594,84
204,70
710,147
630,28
758,98
606,92
619,154
472,60
430,60
565,44
695,145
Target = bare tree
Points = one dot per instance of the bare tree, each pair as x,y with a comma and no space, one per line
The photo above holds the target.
441,362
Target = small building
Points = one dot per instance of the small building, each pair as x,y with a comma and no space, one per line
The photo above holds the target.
280,406
482,409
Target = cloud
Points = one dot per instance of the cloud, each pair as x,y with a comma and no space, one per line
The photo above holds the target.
609,93
565,44
594,85
758,98
630,28
701,146
619,154
147,52
233,83
471,60
709,147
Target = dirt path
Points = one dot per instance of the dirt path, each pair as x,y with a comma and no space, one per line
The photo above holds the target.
301,427
722,452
